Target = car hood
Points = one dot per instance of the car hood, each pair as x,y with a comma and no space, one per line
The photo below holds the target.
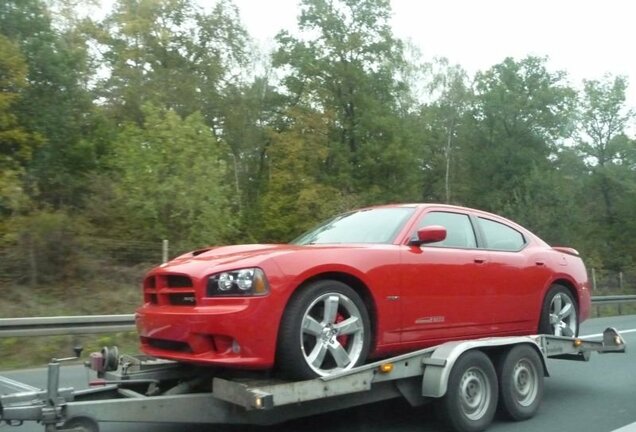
230,254
227,257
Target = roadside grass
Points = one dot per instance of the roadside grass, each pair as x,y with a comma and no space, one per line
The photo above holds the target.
100,297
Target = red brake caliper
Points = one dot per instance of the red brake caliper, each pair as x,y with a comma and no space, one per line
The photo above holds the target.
342,339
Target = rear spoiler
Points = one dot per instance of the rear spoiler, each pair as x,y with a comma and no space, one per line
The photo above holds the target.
566,250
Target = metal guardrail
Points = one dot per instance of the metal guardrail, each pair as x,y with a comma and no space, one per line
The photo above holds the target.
90,324
64,325
613,299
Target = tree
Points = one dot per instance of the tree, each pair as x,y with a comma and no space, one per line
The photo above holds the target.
16,143
452,96
520,114
297,196
170,182
346,66
609,156
171,54
56,104
602,141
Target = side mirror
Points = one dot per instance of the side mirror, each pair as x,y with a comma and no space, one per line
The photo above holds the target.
429,234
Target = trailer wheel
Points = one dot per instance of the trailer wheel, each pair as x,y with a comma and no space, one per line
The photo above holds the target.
79,424
325,329
520,373
470,402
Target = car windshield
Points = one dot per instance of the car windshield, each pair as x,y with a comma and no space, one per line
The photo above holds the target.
379,225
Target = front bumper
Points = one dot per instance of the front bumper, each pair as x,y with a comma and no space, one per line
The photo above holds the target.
239,333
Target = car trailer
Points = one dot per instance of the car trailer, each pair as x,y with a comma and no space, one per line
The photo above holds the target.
468,379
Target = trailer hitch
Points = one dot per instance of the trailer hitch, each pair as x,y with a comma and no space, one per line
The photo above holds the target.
45,406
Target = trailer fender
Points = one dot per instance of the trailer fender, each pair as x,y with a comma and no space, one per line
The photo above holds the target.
438,367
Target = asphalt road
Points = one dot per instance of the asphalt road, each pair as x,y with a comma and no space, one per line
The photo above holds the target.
597,396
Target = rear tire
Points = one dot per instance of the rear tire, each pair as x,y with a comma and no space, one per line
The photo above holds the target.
559,314
520,372
470,402
325,330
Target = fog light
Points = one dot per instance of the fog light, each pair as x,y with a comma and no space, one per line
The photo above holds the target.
577,343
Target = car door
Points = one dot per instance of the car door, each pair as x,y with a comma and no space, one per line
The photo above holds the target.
443,283
515,276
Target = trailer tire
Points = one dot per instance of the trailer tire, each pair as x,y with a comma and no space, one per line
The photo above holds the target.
520,372
314,339
470,402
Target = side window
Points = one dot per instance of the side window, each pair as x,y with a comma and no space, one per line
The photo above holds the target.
459,230
500,236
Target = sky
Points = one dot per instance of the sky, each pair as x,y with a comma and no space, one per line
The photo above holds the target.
585,38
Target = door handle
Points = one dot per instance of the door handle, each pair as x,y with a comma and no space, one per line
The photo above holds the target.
540,263
479,260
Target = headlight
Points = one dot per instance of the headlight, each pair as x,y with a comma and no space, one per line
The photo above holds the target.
242,282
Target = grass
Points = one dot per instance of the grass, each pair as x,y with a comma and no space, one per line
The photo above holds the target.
97,298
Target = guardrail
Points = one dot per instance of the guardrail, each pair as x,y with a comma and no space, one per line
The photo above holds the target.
90,324
64,325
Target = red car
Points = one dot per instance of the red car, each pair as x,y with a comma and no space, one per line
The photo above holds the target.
365,284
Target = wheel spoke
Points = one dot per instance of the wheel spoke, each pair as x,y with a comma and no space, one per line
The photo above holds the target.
331,309
557,303
317,355
566,311
311,326
349,326
339,354
557,329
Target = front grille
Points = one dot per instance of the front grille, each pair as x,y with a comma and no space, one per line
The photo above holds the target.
178,281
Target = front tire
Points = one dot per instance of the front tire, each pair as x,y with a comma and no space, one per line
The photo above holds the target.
559,315
325,330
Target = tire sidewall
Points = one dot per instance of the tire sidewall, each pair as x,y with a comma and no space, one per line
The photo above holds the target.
290,361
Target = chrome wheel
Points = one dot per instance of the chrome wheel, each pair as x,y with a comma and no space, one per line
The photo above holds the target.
475,393
332,334
563,320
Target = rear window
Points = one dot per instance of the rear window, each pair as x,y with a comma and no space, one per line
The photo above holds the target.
501,237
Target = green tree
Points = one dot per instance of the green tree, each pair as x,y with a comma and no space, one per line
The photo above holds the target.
169,53
347,65
297,196
56,104
521,113
444,116
609,156
169,183
16,143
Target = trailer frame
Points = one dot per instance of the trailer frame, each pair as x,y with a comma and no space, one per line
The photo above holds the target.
145,389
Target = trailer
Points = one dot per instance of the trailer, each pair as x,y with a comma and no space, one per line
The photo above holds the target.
468,380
